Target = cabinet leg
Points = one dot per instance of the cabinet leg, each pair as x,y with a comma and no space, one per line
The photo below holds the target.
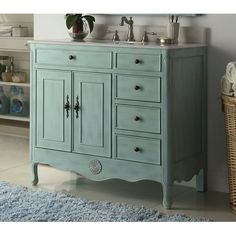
167,195
35,174
201,181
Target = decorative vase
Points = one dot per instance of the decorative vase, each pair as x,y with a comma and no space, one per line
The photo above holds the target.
78,33
78,36
173,31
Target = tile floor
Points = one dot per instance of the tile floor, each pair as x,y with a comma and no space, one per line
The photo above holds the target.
15,167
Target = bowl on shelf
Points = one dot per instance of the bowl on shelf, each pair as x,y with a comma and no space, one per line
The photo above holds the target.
19,77
6,76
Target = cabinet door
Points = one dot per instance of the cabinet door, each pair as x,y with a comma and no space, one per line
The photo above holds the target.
92,123
53,121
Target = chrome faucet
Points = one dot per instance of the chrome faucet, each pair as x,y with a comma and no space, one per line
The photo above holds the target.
130,23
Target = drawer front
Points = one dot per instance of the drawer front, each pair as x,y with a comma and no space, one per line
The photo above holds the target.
138,88
137,118
88,59
138,62
138,149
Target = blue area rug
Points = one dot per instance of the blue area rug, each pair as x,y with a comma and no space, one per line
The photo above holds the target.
19,203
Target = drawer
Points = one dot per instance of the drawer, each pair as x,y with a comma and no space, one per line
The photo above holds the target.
137,118
138,149
139,62
142,88
88,59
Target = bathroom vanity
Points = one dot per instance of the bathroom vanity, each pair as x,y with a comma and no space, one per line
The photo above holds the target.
133,112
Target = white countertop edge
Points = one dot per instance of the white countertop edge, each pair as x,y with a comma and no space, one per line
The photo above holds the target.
109,43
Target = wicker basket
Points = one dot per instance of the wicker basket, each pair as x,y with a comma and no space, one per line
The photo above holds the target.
229,108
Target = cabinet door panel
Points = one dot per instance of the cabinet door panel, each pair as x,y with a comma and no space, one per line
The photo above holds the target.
92,128
53,125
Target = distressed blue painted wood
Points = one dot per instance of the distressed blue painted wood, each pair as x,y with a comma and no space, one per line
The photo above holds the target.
139,88
53,127
113,111
138,118
91,132
138,149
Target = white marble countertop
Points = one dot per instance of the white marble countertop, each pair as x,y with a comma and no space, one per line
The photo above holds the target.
110,43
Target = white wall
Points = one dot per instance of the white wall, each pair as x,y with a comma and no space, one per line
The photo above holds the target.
49,26
222,49
52,26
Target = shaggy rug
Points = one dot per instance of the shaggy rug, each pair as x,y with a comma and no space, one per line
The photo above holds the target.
19,203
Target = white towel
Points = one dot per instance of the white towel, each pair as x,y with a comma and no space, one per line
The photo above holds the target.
226,87
234,89
231,72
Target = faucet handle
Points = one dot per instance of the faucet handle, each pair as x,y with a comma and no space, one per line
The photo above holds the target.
145,36
115,37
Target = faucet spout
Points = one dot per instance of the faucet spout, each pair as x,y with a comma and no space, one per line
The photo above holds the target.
124,19
130,23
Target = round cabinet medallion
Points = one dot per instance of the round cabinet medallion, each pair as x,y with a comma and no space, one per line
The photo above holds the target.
95,166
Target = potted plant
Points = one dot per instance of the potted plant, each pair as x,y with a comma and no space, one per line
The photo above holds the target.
80,24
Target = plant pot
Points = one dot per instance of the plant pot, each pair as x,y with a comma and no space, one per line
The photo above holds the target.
78,36
77,33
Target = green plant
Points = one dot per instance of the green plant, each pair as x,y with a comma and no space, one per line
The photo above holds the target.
78,22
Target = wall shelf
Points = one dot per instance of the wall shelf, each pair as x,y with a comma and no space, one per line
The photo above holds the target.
11,117
14,44
14,84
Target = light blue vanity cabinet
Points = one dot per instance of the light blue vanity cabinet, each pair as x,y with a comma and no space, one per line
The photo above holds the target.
120,111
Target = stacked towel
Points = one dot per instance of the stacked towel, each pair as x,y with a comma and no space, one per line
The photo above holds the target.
5,30
226,87
231,72
228,81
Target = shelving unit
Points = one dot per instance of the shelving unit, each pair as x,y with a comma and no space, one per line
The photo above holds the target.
17,47
12,46
14,84
18,118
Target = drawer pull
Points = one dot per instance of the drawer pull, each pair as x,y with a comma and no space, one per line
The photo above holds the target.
76,107
137,149
137,118
136,87
137,61
67,106
71,57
